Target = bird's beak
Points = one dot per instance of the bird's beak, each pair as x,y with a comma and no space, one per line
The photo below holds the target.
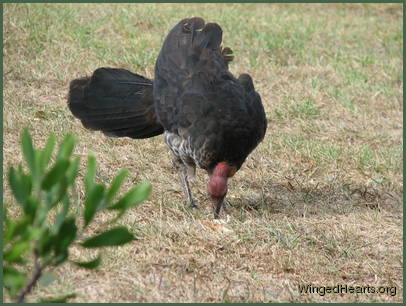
217,204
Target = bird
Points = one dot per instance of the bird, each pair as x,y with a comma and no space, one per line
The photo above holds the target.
210,119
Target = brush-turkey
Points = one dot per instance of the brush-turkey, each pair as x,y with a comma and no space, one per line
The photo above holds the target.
209,118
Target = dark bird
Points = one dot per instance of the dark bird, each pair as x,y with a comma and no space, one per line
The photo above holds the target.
209,118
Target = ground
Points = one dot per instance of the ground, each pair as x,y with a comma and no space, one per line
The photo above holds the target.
319,202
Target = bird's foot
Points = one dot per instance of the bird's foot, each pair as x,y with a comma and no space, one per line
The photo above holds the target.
193,203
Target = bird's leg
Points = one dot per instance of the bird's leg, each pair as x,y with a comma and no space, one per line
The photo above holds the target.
184,175
186,188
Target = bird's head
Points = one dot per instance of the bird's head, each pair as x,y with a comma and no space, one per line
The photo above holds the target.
217,186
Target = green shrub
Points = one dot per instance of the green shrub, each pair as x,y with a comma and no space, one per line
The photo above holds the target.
39,238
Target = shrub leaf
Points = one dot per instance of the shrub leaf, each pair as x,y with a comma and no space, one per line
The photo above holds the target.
115,185
92,264
28,150
92,202
47,278
116,236
66,235
55,174
90,173
135,196
47,152
67,146
58,299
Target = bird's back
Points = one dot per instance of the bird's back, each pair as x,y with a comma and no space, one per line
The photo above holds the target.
217,116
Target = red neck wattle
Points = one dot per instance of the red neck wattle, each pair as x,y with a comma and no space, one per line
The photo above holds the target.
217,186
222,170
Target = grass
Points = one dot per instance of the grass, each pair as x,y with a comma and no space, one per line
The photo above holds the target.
318,202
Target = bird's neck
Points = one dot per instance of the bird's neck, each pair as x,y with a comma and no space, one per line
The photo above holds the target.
217,186
223,170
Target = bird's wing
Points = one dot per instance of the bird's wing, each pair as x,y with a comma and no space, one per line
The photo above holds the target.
177,66
196,97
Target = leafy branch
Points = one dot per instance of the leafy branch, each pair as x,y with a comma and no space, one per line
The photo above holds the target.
47,228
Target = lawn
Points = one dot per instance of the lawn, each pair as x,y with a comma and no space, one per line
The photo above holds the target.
319,202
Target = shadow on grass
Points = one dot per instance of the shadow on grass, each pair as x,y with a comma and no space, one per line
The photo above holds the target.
291,198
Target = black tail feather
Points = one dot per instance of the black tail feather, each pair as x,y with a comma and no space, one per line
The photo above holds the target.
116,102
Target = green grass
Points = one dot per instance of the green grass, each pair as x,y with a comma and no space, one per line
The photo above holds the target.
319,201
306,109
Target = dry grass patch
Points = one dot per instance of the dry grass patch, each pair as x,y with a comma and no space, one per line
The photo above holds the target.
318,202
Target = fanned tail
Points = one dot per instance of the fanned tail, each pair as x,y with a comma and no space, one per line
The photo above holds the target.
116,102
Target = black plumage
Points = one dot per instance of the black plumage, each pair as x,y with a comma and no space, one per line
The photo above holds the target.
210,118
115,101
